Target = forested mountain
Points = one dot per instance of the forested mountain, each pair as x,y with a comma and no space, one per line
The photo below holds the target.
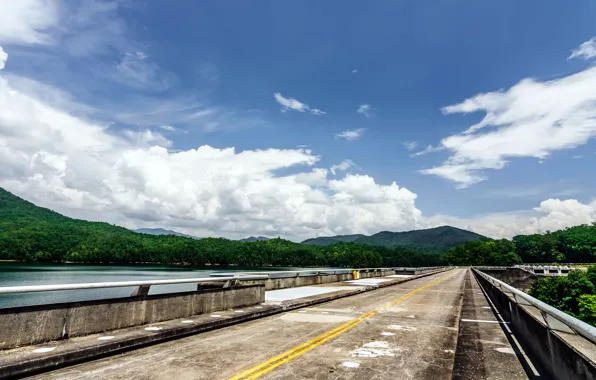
326,240
32,233
439,239
572,245
251,239
162,231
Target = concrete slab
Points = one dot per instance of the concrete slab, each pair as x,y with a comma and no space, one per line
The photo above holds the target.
302,292
400,275
483,350
368,281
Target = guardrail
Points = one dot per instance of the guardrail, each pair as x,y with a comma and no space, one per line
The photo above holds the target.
142,286
554,318
229,279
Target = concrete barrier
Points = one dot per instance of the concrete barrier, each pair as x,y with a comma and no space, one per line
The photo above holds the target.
297,280
561,355
29,325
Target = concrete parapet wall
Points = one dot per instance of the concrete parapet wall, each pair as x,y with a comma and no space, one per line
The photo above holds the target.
296,281
516,277
29,325
292,282
560,355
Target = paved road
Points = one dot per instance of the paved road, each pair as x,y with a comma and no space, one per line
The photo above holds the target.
406,331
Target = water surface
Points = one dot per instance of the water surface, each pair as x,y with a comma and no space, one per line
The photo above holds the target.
19,274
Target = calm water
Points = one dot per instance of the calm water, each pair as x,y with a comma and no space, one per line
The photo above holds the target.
17,274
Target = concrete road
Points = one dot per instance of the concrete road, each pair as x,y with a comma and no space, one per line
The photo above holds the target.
406,331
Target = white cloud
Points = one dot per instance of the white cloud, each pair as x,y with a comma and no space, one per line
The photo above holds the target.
365,109
28,21
531,119
291,104
342,166
83,168
147,138
168,128
351,134
428,149
3,58
355,70
550,215
410,145
136,71
79,28
586,50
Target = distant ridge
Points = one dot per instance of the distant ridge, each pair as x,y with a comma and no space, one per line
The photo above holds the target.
251,239
162,231
439,238
326,240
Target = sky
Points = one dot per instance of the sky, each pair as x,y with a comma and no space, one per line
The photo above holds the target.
302,119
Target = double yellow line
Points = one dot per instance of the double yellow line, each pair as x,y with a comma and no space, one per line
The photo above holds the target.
269,365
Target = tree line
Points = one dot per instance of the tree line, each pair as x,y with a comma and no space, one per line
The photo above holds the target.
572,245
575,294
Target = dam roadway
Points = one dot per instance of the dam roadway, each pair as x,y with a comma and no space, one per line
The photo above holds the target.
405,331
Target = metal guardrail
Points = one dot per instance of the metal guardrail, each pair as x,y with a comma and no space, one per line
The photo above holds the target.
554,318
142,286
229,279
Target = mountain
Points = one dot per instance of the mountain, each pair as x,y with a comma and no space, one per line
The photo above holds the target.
162,231
251,239
439,239
36,234
326,240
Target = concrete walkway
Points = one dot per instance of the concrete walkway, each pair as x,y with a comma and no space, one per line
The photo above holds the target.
407,331
486,349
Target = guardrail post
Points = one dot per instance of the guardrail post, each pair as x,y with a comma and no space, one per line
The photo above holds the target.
232,282
142,290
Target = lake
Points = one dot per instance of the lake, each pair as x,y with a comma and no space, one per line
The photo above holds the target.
19,274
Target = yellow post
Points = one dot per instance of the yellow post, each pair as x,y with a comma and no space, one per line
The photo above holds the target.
355,274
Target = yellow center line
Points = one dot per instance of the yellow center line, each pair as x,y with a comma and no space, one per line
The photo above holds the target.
269,365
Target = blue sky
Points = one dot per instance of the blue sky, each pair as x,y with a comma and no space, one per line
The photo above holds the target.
186,74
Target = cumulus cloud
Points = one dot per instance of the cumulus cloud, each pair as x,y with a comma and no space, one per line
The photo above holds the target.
28,21
342,166
3,58
83,168
531,119
168,128
291,104
147,138
586,50
365,109
350,134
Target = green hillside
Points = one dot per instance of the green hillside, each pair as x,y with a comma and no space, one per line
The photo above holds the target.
439,239
326,240
31,233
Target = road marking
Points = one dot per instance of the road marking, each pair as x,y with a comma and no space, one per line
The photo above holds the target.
44,349
269,365
481,321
